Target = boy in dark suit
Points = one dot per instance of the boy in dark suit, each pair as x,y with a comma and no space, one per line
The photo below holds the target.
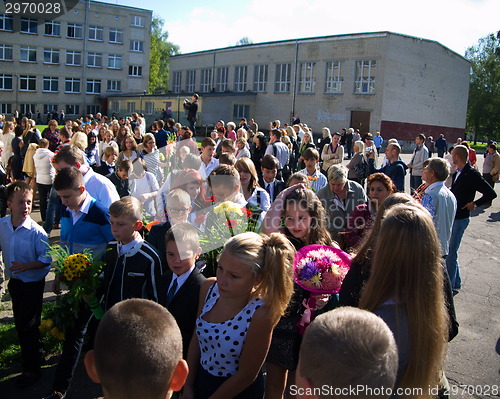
179,288
268,181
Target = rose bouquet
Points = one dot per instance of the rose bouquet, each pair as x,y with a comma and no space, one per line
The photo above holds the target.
319,269
224,221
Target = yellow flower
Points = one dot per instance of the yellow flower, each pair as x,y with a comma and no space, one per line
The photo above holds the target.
74,265
316,279
228,206
57,334
46,325
335,269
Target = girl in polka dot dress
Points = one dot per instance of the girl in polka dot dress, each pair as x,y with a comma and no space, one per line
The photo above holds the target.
237,312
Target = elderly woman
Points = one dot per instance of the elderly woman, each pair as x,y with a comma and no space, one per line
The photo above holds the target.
51,133
339,198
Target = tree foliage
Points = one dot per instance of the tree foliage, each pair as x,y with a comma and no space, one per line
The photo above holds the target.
244,40
483,116
161,50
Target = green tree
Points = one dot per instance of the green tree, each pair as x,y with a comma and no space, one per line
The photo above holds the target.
161,50
244,40
483,116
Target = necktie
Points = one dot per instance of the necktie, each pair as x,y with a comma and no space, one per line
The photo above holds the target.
268,188
171,293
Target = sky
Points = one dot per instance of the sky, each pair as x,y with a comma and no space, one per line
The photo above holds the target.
197,25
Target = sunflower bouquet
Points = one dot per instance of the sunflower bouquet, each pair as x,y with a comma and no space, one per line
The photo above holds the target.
80,274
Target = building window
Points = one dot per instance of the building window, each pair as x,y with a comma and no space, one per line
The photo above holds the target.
94,60
49,108
307,79
190,81
5,82
72,109
50,84
28,54
96,33
29,25
134,70
51,56
6,22
205,80
27,83
130,107
114,61
283,78
221,79
365,77
115,36
75,31
240,78
176,82
73,58
136,45
115,106
93,109
26,108
241,111
5,108
149,108
136,20
5,52
334,77
52,28
72,85
114,85
260,78
93,86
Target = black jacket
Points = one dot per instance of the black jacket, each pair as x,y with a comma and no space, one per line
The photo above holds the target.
465,186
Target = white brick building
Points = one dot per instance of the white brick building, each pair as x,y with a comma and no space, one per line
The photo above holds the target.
66,63
398,84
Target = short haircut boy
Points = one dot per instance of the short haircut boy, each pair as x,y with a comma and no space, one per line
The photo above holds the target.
180,195
70,154
15,187
208,141
269,161
43,143
276,133
139,166
311,153
228,145
227,159
68,179
127,206
137,352
358,348
125,165
184,233
224,175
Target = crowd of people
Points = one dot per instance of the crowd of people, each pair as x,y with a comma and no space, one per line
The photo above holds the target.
232,330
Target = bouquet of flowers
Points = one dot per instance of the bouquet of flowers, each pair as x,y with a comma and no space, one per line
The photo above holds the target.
79,273
223,222
319,269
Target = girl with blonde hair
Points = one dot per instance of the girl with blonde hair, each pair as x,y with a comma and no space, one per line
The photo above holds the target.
405,289
237,312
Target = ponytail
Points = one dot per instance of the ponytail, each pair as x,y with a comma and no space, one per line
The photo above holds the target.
276,287
271,258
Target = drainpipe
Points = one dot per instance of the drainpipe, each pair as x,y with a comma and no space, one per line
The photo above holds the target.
294,93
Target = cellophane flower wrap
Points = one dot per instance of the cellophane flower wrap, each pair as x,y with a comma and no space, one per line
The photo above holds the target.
224,220
80,274
321,269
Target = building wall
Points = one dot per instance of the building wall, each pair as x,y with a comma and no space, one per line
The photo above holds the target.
102,15
417,82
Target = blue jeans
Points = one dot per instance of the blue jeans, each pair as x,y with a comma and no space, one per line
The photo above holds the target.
415,182
457,232
53,214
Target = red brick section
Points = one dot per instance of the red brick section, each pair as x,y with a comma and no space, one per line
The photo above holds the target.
408,131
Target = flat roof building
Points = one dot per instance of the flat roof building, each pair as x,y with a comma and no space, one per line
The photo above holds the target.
67,62
397,84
